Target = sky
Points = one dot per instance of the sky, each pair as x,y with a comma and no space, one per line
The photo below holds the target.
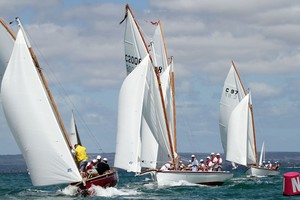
79,45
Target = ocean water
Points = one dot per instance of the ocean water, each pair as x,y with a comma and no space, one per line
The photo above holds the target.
15,184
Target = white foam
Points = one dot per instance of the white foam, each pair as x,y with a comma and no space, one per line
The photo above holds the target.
176,183
112,192
70,190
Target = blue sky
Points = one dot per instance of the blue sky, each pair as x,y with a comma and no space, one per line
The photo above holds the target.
80,47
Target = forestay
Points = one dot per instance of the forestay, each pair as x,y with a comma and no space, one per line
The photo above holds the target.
33,122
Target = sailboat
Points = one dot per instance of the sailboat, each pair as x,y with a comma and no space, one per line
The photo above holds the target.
36,125
146,136
237,126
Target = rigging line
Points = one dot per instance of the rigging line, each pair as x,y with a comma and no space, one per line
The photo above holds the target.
189,134
64,95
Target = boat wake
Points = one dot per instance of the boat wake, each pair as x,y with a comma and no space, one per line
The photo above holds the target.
176,183
112,192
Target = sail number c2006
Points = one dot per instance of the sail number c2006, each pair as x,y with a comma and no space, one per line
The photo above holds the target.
132,60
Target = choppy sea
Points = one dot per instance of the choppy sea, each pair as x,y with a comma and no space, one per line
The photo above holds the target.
15,184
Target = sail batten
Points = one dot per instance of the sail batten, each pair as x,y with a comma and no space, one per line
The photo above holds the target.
33,123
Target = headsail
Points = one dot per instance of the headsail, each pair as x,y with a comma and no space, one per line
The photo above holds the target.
240,136
130,117
7,44
32,121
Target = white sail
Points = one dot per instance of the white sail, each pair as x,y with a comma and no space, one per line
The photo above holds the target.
33,122
154,114
135,47
262,154
233,93
7,43
130,117
159,54
240,135
74,135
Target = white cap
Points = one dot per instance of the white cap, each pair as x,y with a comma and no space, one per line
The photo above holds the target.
201,160
193,156
217,154
105,159
208,157
95,160
98,157
212,153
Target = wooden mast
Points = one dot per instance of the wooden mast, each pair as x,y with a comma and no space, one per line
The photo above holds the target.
239,77
8,29
173,103
39,69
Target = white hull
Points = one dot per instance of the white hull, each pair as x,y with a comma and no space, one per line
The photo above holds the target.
258,172
206,178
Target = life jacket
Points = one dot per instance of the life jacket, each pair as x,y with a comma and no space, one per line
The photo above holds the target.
81,153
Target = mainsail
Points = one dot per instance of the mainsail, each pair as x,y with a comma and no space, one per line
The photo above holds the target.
135,46
74,135
262,155
33,122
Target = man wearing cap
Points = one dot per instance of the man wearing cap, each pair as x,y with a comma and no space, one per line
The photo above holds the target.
194,163
218,165
201,167
209,164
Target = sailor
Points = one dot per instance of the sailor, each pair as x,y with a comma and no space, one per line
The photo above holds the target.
81,157
209,164
201,167
91,168
168,166
276,165
194,163
213,158
218,164
269,165
102,167
181,165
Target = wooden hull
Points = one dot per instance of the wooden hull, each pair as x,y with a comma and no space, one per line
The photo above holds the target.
260,172
205,178
109,179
